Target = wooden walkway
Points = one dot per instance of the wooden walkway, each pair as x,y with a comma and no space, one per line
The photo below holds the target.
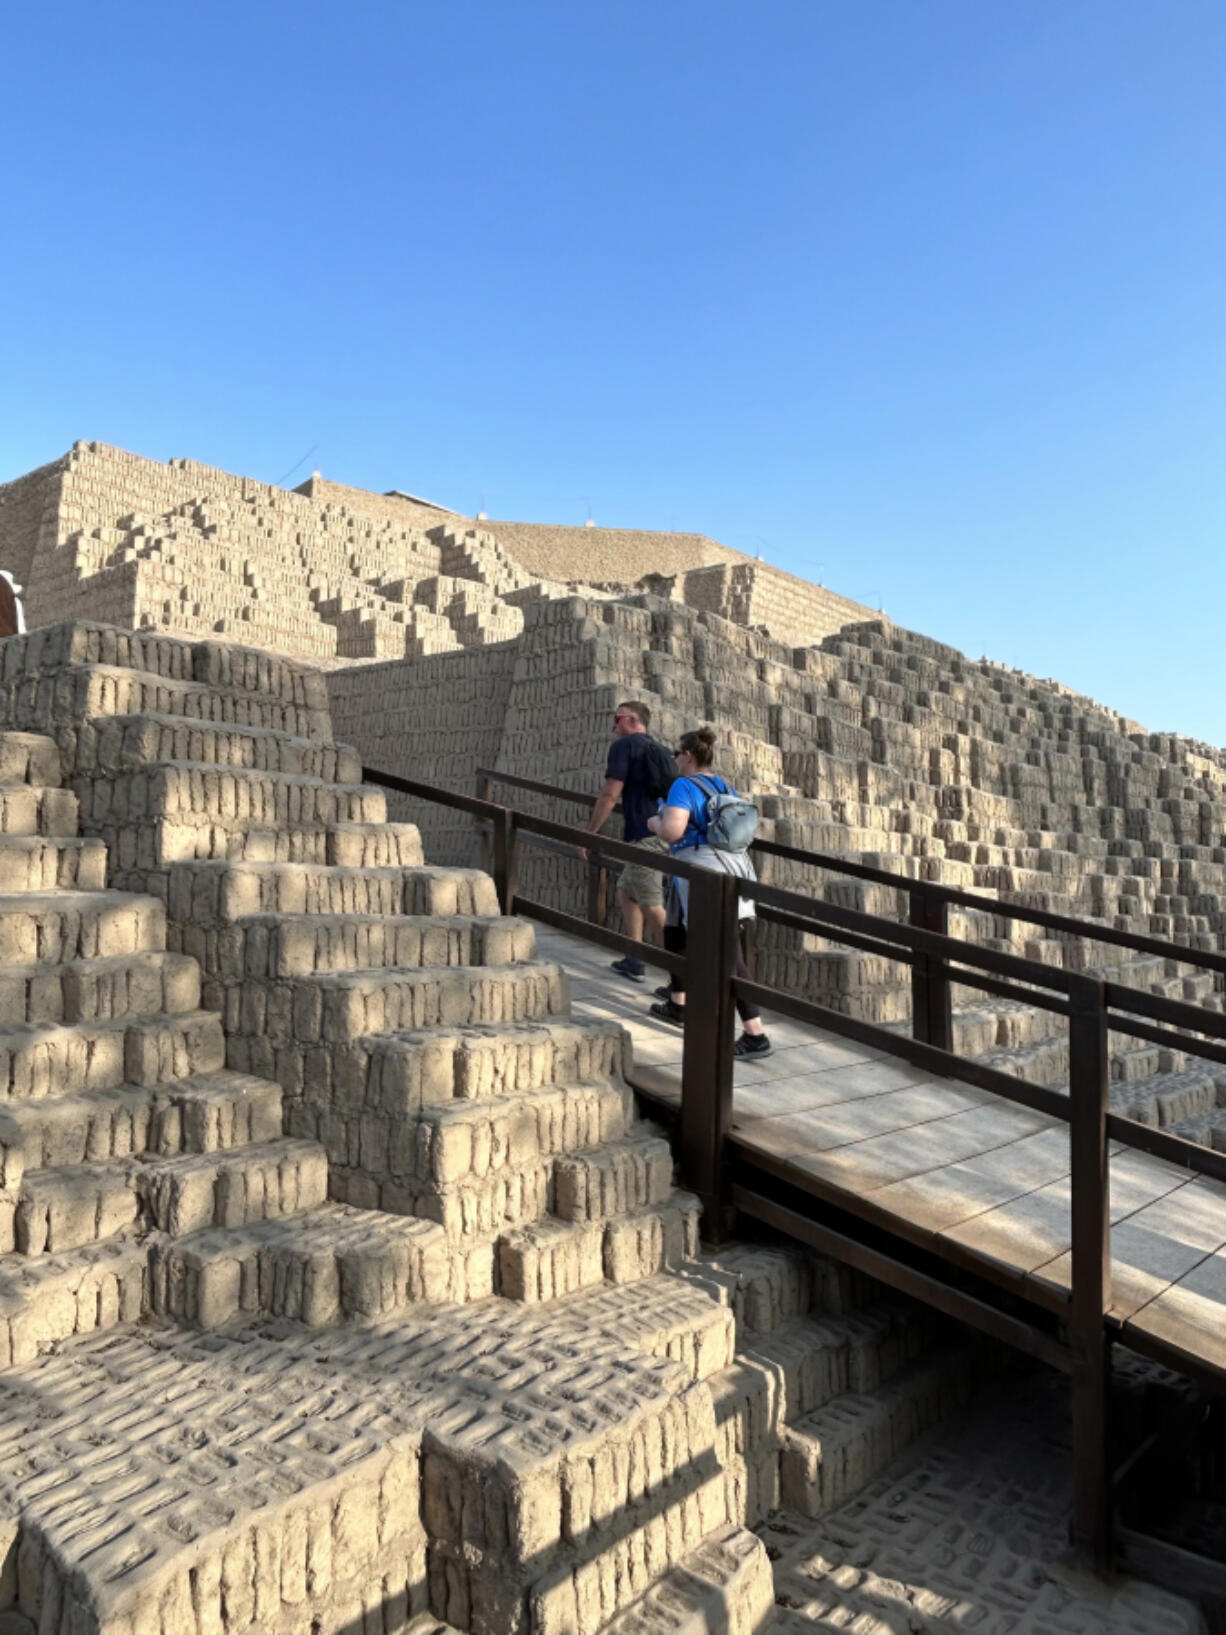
958,1170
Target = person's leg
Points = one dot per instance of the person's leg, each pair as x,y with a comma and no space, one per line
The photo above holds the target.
654,918
748,1012
632,914
672,1009
629,965
640,895
753,1041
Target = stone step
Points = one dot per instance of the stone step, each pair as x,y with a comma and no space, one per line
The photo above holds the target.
32,809
40,863
94,990
724,1585
195,1191
208,1114
815,1359
475,1208
660,1238
208,894
1205,1129
363,1099
49,928
1005,1025
661,1316
374,845
45,1299
1133,1060
42,1060
462,1139
345,1006
61,1209
287,945
92,692
1045,1062
28,757
482,1062
508,1200
127,742
768,1285
142,854
323,1267
198,794
793,1370
829,1455
1169,1099
626,1176
144,851
168,662
550,1258
763,1285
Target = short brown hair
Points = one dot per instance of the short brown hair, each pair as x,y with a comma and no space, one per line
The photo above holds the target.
641,710
700,744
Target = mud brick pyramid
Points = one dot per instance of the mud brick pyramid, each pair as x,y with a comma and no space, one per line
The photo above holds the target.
340,1288
332,573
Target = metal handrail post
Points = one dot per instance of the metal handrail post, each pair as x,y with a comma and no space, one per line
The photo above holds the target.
1089,1075
706,1072
932,1021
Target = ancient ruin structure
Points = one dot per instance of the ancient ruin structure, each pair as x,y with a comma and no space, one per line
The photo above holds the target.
341,1286
328,572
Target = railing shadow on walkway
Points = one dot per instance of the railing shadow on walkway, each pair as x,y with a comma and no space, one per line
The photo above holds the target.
1072,1332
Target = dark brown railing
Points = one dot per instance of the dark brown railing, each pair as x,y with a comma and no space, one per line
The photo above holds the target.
719,1164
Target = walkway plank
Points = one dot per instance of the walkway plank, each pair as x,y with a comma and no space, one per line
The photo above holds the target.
982,1176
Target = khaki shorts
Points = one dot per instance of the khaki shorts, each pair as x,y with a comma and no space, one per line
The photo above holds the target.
645,885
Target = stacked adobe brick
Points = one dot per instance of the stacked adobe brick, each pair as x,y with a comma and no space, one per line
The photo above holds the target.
344,1442
187,548
407,1025
331,574
877,746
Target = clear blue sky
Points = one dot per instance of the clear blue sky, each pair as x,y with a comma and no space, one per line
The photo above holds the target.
925,298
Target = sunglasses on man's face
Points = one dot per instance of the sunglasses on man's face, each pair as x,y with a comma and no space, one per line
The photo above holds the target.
623,715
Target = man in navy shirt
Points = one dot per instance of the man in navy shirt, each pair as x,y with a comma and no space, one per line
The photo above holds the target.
640,890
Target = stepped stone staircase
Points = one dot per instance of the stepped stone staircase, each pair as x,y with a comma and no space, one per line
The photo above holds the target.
381,1011
120,1124
340,1287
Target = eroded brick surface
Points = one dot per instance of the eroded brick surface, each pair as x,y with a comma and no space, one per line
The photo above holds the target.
287,1109
972,1534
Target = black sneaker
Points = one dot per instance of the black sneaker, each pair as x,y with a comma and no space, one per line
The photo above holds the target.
663,991
752,1047
630,968
666,1011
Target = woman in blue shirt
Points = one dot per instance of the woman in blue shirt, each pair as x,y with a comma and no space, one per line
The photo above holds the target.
682,822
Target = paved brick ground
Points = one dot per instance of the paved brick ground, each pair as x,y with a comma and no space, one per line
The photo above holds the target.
968,1534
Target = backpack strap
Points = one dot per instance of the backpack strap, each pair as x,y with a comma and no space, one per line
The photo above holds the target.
710,791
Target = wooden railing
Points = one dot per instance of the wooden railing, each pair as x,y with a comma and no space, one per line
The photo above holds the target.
708,1146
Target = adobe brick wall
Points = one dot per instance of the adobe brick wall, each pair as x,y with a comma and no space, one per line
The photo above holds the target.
27,506
331,573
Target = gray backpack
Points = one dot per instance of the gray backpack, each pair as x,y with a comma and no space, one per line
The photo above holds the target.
732,821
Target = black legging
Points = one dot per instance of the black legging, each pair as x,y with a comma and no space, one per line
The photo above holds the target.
675,939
